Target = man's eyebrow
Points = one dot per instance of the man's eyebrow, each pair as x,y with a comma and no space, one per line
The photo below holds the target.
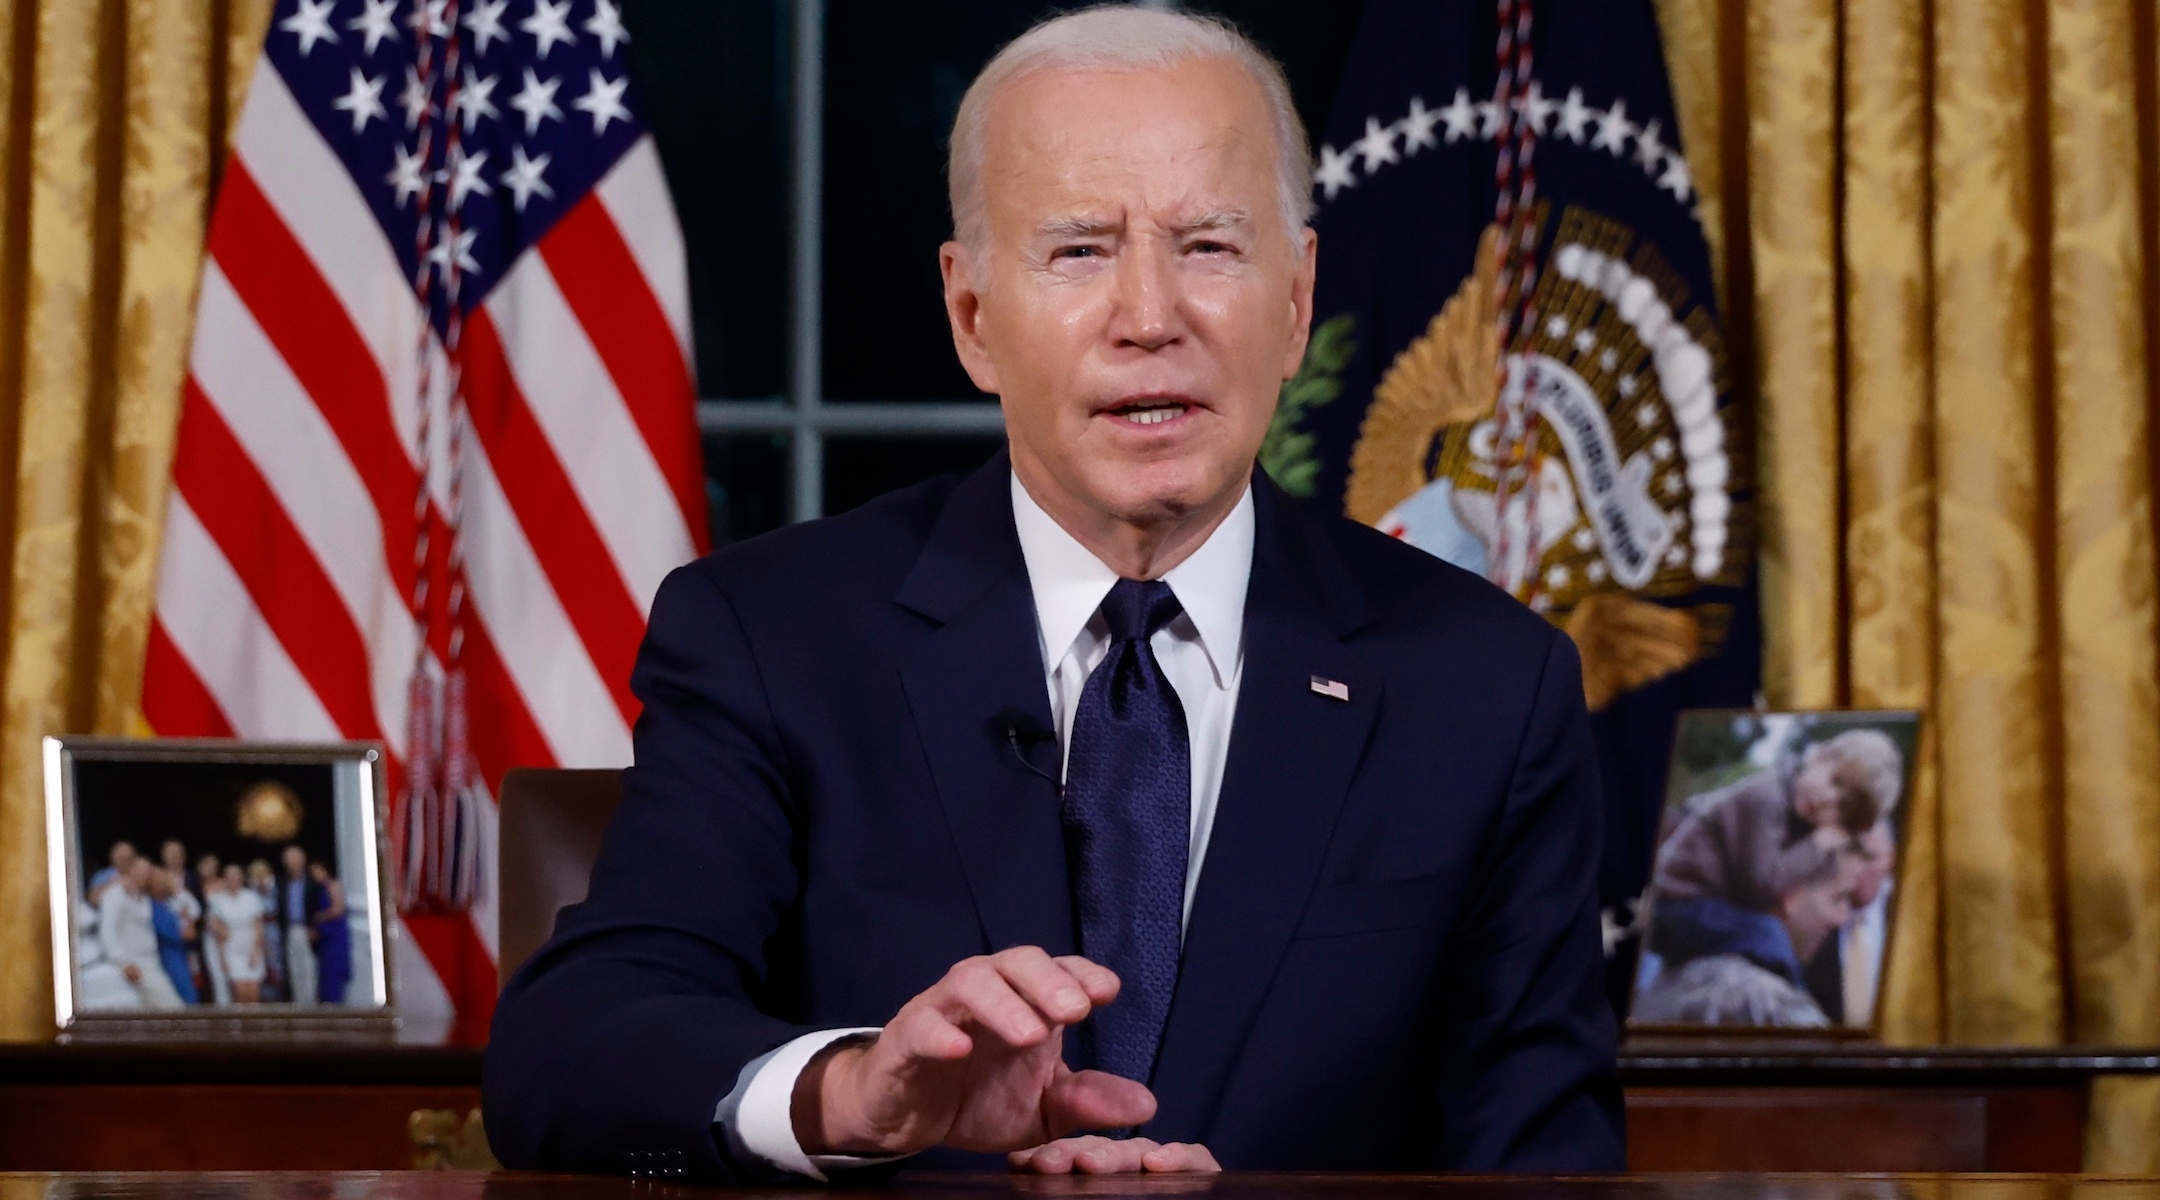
1213,219
1078,227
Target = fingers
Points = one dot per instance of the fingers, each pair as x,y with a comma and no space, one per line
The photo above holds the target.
1095,1100
1094,1155
1020,995
921,1031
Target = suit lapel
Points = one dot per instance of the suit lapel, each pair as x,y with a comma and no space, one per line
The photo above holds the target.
976,676
1293,752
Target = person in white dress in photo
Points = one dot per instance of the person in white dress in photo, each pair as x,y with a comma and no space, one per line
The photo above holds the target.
213,950
236,917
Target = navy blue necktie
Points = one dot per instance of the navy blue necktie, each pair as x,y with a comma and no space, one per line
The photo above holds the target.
1127,816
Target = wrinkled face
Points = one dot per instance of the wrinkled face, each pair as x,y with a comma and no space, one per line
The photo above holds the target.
1817,792
1139,300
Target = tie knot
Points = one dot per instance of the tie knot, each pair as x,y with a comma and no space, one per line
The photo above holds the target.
1135,608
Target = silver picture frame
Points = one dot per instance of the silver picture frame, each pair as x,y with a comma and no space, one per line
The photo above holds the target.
352,776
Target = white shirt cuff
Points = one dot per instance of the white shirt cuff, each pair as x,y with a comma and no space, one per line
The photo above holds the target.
758,1117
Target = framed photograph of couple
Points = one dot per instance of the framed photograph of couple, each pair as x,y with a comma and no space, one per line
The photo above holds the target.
1772,892
210,889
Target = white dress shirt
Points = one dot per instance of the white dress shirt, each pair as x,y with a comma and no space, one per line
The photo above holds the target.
1202,653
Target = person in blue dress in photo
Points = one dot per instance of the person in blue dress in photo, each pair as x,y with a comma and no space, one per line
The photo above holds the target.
330,933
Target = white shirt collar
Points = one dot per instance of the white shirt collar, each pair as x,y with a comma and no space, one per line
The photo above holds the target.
1070,582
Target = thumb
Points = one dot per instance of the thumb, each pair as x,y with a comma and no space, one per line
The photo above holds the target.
1094,1100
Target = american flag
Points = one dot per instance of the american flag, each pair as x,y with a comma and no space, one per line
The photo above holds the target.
438,422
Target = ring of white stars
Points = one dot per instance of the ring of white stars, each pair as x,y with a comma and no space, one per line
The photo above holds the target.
1570,119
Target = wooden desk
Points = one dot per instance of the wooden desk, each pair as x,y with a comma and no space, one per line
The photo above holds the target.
1693,1105
456,1186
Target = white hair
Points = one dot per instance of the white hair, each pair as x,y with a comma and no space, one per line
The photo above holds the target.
1128,37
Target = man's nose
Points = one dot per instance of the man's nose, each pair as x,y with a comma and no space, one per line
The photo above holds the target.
1148,310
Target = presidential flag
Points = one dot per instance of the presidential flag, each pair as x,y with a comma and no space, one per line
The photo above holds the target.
437,447
1516,362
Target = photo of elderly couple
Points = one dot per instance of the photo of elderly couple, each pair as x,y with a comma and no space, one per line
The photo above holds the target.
1776,870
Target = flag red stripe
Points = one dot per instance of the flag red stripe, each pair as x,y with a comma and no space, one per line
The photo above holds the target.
174,700
570,549
614,301
461,961
503,734
277,281
274,563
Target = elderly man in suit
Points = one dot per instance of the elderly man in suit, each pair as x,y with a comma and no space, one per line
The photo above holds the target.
1101,810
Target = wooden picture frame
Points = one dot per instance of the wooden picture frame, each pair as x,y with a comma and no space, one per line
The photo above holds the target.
146,949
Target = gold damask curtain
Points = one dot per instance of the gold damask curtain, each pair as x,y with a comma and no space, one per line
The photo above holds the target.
1935,222
112,124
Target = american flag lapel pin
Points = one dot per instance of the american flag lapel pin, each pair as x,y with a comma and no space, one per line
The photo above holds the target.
1333,689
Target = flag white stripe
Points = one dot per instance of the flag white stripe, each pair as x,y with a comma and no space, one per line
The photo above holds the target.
315,197
284,434
215,626
635,194
541,650
583,417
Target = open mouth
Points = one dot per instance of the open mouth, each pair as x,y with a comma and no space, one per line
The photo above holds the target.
1150,411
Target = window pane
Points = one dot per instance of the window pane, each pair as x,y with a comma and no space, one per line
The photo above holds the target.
746,483
894,74
858,469
712,80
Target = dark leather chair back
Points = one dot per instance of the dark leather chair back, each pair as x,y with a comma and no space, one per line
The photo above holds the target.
550,827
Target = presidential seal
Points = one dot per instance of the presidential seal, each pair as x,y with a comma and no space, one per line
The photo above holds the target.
1622,503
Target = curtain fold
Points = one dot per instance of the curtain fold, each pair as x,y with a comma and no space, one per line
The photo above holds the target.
113,128
1942,282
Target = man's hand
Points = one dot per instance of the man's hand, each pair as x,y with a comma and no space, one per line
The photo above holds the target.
1092,1155
976,1062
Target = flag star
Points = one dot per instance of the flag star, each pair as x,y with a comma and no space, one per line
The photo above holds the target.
1661,449
1537,108
1574,117
549,24
310,23
476,99
1595,572
603,99
537,101
377,23
1626,387
430,18
1335,171
1460,116
606,24
1648,149
1677,179
1377,146
414,99
462,172
1585,341
485,21
453,253
1613,130
407,176
524,178
1558,576
1488,115
1556,328
363,99
1417,128
1610,359
1584,539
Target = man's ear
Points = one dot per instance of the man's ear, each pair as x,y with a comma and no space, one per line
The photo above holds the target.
1301,301
963,309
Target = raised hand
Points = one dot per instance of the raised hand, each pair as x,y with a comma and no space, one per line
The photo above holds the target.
975,1062
1092,1155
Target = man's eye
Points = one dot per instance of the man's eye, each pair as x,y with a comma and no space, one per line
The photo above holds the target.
1212,248
1075,252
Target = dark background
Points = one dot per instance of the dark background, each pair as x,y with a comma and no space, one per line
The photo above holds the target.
715,81
147,802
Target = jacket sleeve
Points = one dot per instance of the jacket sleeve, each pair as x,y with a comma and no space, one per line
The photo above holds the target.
614,1045
1528,1079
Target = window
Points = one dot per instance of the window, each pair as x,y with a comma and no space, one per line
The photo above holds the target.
805,146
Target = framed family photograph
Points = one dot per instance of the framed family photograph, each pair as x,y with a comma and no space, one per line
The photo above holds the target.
210,889
1773,888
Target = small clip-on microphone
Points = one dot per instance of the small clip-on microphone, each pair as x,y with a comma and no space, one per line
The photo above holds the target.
1020,738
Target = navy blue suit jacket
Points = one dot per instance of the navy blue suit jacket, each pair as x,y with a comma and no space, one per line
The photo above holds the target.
1392,960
